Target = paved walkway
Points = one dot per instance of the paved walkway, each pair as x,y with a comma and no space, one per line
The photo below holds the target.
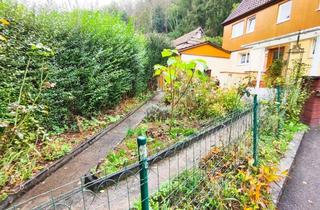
69,176
302,192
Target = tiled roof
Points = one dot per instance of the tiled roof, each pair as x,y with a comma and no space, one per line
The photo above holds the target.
189,39
247,6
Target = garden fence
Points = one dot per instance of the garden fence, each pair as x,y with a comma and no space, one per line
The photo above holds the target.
163,180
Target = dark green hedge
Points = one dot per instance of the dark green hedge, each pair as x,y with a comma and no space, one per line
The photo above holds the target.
98,59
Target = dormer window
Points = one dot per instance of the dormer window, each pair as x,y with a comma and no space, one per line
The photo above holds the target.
237,29
284,13
251,24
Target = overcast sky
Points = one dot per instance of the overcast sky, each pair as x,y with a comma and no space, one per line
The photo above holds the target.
66,4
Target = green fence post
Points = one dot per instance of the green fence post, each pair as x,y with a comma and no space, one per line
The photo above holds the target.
255,129
279,110
142,151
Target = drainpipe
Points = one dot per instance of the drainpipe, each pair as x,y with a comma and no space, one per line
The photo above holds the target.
315,69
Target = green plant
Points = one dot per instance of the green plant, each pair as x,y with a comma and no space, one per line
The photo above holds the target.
179,76
296,90
55,149
274,75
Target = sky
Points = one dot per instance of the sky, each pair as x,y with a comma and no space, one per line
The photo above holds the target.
66,4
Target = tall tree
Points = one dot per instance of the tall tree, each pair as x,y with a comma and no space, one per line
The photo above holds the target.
158,20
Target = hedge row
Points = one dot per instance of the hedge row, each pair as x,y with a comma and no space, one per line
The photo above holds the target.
97,59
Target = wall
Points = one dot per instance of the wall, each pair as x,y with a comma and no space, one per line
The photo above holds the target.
207,50
311,113
305,14
217,65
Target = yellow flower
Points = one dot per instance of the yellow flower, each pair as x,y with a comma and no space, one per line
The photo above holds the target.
4,22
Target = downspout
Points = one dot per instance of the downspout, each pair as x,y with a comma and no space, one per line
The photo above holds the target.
315,69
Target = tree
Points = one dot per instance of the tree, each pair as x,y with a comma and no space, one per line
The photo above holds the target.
158,20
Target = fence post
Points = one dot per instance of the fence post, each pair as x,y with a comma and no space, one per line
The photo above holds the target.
255,129
279,110
143,163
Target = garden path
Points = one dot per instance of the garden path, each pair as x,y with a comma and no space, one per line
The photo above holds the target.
125,194
69,175
303,187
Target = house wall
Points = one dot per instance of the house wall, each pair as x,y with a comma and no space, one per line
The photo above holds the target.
305,14
259,56
207,50
217,65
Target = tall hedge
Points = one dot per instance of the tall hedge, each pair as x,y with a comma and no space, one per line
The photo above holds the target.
98,59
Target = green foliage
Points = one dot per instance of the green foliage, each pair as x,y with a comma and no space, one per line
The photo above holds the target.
216,40
98,63
297,91
179,76
158,20
98,60
274,75
55,149
57,68
186,15
155,45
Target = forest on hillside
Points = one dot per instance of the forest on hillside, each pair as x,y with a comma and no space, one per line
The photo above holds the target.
176,17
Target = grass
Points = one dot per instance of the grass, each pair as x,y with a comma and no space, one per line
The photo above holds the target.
227,179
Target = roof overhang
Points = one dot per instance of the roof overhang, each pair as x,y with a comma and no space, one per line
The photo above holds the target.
250,12
292,37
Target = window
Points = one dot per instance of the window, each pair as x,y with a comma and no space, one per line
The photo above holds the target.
244,58
251,23
284,12
237,29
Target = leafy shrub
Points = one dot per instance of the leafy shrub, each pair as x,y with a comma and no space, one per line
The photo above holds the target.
156,112
155,45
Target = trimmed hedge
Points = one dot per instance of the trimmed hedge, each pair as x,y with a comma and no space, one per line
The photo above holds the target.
98,60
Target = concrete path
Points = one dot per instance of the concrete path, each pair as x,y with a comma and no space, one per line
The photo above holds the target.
302,191
68,177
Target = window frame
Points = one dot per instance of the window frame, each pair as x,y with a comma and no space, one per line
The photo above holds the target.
279,12
249,20
232,29
246,57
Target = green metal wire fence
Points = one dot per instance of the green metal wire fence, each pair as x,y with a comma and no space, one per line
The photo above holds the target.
175,178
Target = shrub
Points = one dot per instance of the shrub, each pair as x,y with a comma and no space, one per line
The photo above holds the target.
98,60
156,112
155,45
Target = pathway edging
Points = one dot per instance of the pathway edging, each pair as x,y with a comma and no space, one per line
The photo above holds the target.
43,174
285,164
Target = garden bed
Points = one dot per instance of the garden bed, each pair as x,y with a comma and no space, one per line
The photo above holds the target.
227,178
159,138
64,145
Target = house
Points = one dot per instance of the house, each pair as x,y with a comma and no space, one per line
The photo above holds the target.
194,46
259,31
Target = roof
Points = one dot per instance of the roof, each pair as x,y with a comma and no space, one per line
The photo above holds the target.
204,43
187,40
247,7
